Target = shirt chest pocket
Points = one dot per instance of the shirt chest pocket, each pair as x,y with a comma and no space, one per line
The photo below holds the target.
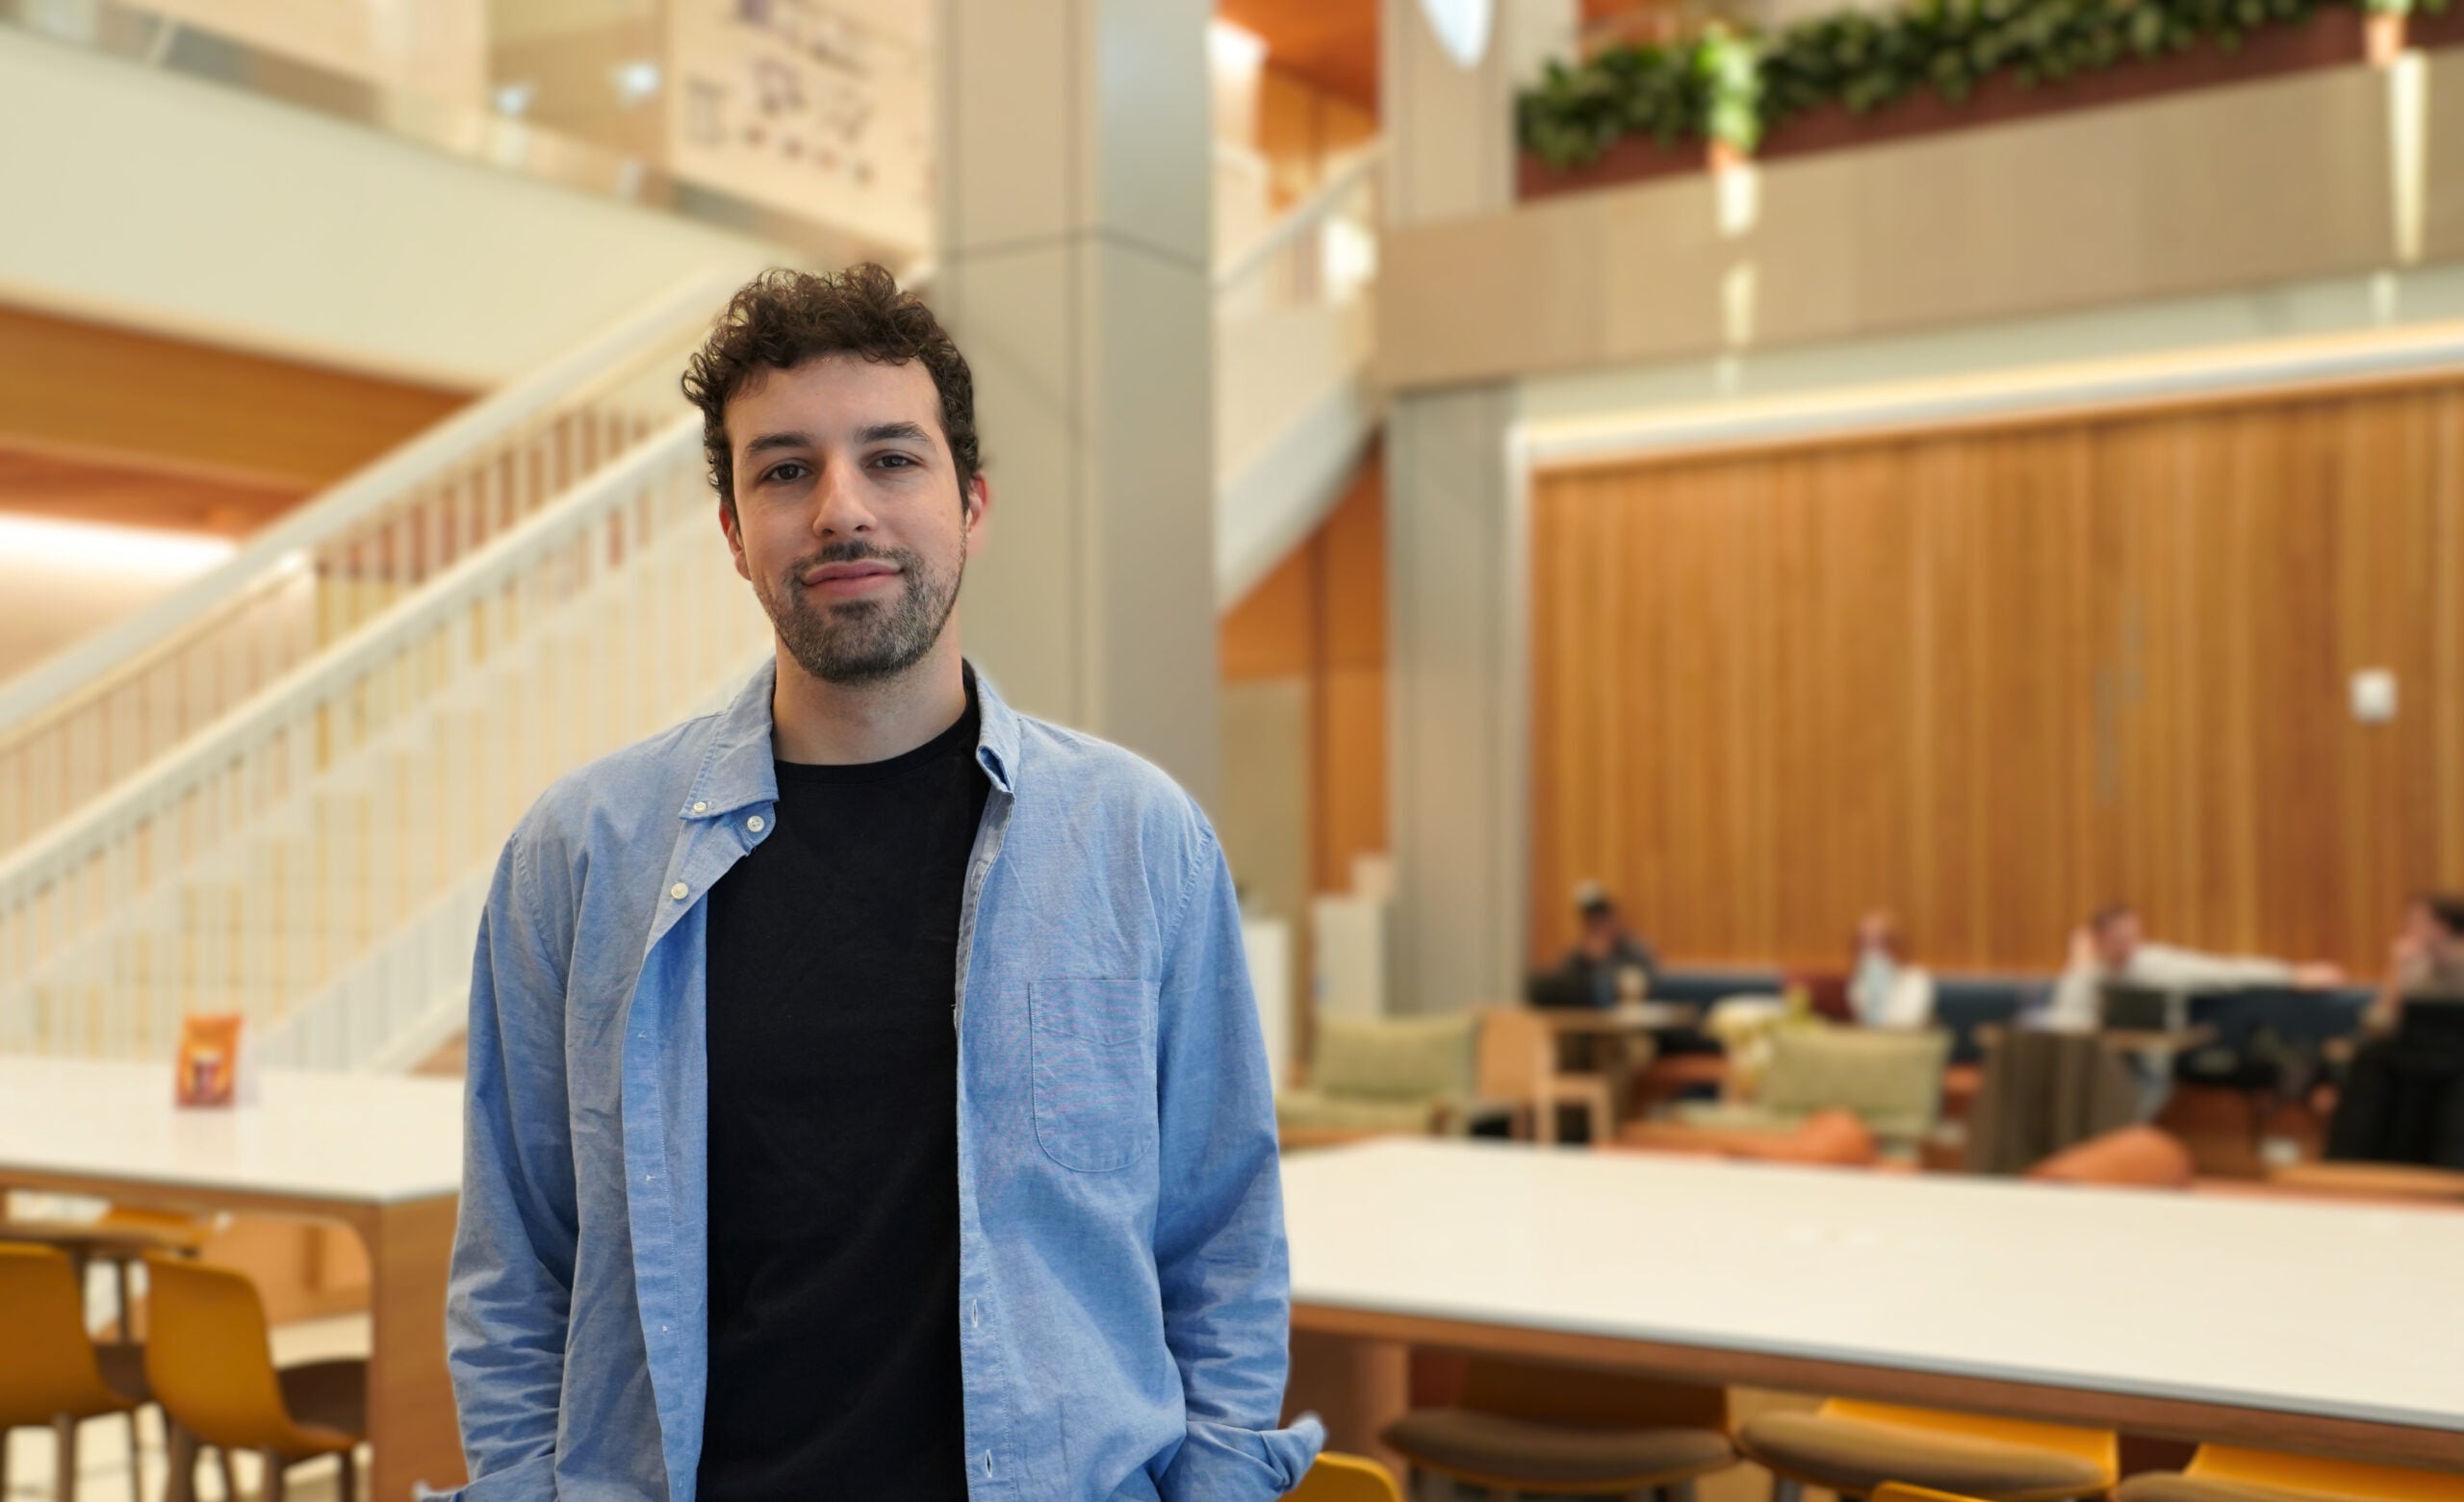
1094,1071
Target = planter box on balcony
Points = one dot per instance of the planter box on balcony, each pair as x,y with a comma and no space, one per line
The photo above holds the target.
2423,30
2331,38
1630,159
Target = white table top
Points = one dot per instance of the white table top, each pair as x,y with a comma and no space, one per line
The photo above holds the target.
2344,1312
328,1137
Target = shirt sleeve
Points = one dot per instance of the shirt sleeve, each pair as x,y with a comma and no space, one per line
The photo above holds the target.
2166,967
512,1275
1219,1253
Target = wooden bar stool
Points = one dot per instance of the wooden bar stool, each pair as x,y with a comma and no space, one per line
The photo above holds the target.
1347,1478
1523,1426
2231,1473
51,1375
1854,1448
213,1371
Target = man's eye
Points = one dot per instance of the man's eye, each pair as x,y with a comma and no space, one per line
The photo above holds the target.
896,461
789,471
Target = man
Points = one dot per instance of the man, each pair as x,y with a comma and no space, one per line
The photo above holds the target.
2114,947
1884,990
2427,959
2402,1096
866,1098
1607,960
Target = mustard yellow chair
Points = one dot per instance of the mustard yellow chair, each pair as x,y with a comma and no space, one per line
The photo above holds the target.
1347,1478
51,1375
1854,1448
1559,1431
2230,1473
211,1369
122,1236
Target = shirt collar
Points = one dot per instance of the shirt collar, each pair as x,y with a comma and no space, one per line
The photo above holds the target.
740,769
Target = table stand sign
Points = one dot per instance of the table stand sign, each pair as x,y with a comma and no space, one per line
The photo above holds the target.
217,1061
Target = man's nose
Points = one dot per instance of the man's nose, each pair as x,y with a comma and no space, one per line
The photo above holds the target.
842,510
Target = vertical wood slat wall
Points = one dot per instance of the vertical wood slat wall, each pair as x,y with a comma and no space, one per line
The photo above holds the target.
1991,678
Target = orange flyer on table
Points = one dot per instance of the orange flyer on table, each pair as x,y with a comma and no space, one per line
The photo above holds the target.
209,1059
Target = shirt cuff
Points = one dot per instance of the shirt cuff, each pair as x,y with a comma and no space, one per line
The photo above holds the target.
1222,1463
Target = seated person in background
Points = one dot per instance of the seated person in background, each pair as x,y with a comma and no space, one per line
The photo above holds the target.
1606,957
2402,1099
1883,989
2427,959
2113,947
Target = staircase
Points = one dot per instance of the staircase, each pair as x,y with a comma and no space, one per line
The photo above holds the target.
281,792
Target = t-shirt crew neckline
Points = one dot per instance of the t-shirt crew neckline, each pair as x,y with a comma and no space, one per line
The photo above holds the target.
960,738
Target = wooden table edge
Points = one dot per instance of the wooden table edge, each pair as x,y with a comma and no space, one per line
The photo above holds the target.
2168,1418
190,1194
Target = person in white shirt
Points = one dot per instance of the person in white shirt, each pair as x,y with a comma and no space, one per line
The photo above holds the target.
2113,947
1883,989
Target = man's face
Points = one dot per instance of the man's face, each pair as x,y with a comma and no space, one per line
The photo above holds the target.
2118,940
851,521
2427,933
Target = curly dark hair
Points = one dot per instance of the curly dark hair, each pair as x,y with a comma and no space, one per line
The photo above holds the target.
782,317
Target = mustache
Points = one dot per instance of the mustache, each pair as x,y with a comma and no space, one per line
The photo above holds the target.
854,552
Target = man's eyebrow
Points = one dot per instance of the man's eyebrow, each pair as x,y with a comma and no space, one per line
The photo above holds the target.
885,432
769,441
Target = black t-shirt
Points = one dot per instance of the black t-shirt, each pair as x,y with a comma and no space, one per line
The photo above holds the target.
833,1136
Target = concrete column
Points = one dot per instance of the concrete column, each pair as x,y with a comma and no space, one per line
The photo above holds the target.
1076,161
1459,799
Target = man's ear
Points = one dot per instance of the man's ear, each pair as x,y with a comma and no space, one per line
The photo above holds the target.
730,529
977,497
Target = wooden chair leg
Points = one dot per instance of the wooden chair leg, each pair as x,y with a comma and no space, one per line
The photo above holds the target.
64,1484
135,1468
181,1447
127,1311
349,1460
230,1474
273,1490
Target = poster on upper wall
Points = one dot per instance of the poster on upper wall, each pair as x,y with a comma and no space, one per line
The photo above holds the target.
821,108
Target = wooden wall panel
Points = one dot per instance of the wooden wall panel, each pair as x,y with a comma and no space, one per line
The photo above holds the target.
1993,678
72,387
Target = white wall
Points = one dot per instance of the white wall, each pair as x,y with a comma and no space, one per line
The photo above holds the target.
2388,299
61,580
191,208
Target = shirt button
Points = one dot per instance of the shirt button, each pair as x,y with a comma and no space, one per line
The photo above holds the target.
975,1313
701,809
677,891
754,824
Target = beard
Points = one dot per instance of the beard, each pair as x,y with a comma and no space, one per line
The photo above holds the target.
862,641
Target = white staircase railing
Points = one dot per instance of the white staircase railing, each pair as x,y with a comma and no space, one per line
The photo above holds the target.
1294,400
83,723
304,847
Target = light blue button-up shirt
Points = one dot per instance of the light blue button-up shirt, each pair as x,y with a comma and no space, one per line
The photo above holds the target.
1122,1266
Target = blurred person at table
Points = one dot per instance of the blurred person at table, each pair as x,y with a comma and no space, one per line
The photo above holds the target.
2114,948
2427,959
1885,990
2402,1096
1606,958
